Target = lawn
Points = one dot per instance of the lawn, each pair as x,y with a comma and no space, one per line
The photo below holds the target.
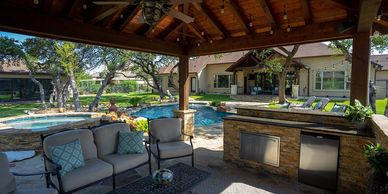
211,97
8,110
380,104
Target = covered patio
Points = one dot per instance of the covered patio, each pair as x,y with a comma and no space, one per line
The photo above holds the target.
221,26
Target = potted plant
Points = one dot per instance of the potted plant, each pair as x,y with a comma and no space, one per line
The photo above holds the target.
377,157
360,115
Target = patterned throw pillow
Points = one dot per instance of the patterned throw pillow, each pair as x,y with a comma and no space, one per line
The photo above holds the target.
130,142
69,156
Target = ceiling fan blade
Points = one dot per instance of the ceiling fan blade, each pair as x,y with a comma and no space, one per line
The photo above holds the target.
126,2
184,1
141,18
179,15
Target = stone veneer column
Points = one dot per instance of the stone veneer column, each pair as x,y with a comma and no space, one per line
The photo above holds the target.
187,117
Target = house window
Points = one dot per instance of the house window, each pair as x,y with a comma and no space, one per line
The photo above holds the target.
330,80
222,81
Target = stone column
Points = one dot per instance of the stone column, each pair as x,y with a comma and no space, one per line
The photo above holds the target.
187,117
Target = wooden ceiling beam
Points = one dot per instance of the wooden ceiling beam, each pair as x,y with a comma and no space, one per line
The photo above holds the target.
343,4
17,20
195,31
367,14
268,12
130,17
205,11
100,15
74,9
305,4
299,35
241,19
151,29
175,30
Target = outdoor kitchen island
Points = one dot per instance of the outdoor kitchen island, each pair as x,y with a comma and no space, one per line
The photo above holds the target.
292,143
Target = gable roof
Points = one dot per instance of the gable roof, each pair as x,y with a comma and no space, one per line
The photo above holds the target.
381,60
17,68
309,50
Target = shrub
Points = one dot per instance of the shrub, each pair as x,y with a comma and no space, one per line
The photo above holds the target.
141,125
377,157
135,101
358,112
123,87
215,103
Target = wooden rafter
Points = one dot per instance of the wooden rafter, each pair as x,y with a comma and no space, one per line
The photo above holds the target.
175,30
367,14
195,31
22,21
305,4
100,15
268,12
300,35
130,17
151,28
211,18
74,9
239,15
343,4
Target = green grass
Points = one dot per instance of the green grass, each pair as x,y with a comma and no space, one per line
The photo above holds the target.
16,109
380,104
212,97
122,100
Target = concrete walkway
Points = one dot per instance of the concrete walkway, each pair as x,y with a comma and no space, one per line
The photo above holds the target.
225,178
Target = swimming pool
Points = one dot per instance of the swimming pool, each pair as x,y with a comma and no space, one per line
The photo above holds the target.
204,115
42,123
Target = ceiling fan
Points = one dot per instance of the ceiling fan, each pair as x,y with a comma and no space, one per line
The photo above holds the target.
152,10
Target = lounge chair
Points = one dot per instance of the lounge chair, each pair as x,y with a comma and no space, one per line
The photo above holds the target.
339,108
321,104
306,104
166,138
8,184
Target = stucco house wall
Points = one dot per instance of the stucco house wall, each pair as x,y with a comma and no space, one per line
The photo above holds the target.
211,71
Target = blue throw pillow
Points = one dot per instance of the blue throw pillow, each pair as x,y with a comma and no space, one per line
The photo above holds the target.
130,142
69,156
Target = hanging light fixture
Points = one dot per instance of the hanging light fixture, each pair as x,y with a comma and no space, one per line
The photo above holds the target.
376,33
285,15
202,33
84,6
177,39
211,41
152,11
121,16
223,7
36,2
271,31
288,28
198,44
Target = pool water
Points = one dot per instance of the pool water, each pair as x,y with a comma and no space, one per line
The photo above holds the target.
43,123
204,115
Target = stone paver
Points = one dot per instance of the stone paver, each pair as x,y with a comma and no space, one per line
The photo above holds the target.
225,178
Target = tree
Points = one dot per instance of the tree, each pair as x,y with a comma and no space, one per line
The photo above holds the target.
114,61
147,65
278,66
42,52
69,59
13,52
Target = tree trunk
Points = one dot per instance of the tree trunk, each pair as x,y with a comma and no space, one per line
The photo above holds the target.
58,90
74,88
282,87
65,92
107,79
158,86
41,90
171,78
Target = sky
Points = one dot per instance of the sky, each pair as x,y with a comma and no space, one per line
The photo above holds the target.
19,37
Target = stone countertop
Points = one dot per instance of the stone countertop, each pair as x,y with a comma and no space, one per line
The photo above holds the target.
294,111
316,127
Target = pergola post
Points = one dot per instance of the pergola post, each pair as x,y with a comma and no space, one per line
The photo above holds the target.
184,113
360,68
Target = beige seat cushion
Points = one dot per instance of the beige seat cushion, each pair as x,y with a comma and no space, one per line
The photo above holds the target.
166,129
106,137
172,149
36,191
94,170
124,162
